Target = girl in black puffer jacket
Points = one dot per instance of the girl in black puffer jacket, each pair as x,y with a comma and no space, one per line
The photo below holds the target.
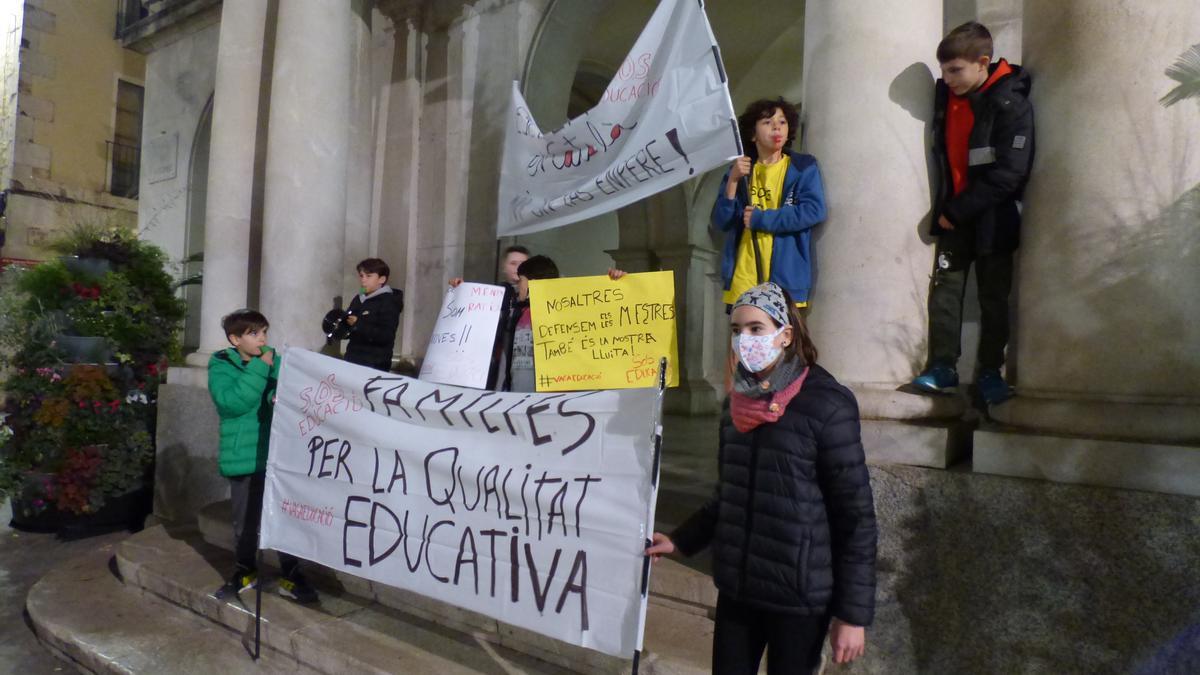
792,523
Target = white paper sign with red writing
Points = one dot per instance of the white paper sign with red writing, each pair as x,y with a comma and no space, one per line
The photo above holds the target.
665,117
528,508
463,339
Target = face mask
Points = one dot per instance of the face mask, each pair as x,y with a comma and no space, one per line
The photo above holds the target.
757,352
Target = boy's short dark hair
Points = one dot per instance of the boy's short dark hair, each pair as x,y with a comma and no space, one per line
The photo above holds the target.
242,321
374,266
762,109
969,41
515,249
538,267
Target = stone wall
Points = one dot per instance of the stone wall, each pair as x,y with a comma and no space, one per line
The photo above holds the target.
179,83
982,574
10,49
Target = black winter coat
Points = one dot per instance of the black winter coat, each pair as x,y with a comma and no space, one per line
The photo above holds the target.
1001,153
373,336
792,524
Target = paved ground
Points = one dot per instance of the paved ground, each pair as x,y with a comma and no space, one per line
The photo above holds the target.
24,558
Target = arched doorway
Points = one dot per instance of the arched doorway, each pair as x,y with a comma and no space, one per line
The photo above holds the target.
193,245
579,46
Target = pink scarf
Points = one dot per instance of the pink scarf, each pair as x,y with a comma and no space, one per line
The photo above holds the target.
749,412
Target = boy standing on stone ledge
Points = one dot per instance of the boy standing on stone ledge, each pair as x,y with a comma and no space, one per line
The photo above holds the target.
241,381
983,142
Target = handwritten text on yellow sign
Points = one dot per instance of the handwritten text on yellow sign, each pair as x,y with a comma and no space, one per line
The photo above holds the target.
596,333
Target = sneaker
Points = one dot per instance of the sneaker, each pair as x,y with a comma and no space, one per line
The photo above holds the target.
992,387
296,588
241,581
936,380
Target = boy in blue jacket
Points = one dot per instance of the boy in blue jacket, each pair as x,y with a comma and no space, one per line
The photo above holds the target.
241,381
771,215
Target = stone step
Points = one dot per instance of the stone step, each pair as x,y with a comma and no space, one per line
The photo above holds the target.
84,614
371,628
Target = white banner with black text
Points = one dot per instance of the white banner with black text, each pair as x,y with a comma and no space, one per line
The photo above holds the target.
529,508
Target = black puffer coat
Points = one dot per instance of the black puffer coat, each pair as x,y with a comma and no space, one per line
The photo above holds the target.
373,336
792,524
1000,157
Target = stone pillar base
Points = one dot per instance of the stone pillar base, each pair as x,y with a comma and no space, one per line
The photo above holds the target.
1157,420
905,428
932,444
691,397
199,358
186,477
190,375
633,260
1133,465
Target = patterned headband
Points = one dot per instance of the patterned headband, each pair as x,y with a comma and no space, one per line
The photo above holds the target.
769,298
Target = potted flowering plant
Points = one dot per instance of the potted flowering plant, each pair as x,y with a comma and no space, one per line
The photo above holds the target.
76,441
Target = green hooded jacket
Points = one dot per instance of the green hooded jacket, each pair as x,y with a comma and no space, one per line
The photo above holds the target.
242,393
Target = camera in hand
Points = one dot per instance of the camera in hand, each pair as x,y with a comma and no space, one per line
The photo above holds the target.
335,325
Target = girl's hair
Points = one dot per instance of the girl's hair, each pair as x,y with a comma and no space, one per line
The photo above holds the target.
801,345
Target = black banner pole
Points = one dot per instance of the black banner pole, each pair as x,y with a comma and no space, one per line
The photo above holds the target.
258,606
662,387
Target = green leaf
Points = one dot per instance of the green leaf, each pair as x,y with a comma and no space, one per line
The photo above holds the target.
1185,71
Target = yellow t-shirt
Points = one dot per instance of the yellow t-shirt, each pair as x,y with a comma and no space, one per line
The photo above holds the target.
766,191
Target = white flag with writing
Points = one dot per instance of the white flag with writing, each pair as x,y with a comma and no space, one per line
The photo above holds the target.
665,117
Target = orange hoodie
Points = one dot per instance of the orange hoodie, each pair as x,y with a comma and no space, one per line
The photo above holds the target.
960,119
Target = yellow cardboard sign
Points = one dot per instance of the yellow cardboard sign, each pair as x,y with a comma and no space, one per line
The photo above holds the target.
596,333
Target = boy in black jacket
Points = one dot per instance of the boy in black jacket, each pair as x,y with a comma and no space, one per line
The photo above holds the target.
373,317
983,141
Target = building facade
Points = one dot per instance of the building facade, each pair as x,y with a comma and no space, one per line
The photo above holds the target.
287,140
70,122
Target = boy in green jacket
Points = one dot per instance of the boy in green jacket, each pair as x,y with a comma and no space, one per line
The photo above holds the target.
241,381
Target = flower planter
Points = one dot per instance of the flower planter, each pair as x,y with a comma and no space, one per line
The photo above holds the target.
125,511
84,349
91,267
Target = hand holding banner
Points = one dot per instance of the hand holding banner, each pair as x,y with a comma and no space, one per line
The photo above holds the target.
597,333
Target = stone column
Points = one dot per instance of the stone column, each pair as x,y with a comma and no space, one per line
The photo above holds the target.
231,170
1107,279
633,252
694,299
400,149
868,82
305,206
360,171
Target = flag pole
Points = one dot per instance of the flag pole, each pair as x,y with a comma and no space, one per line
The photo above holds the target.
258,605
662,387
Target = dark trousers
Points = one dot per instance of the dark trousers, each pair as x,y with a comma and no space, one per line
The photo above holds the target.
378,364
246,493
793,642
993,275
